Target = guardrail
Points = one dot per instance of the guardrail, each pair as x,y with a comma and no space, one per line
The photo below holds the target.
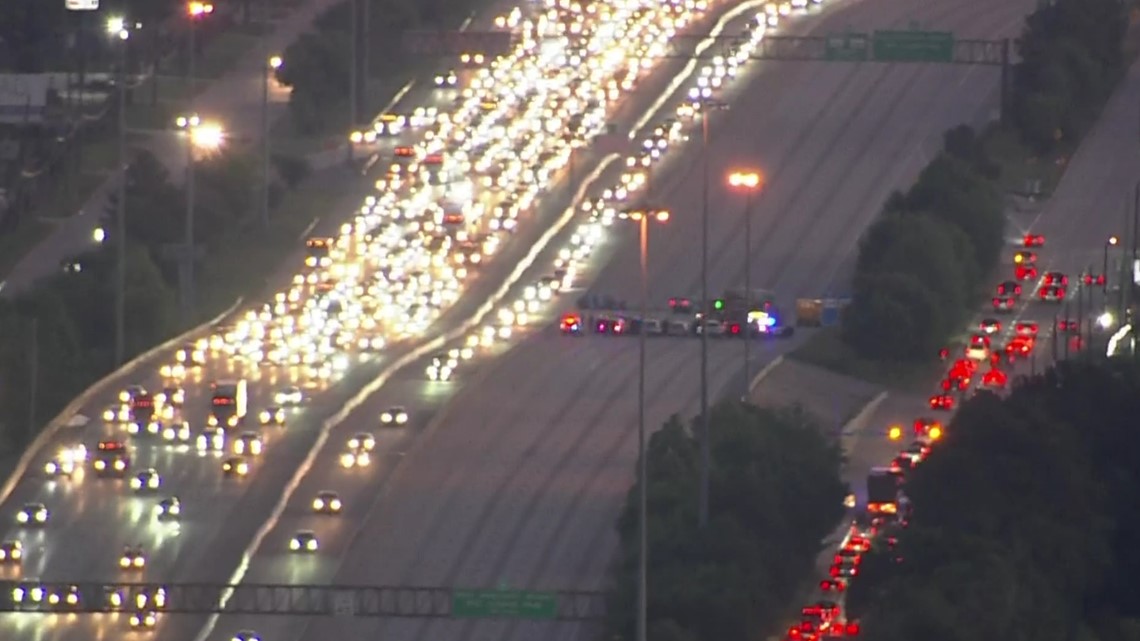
64,417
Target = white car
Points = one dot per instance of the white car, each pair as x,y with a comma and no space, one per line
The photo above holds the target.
11,552
147,480
394,416
289,397
33,514
327,502
304,541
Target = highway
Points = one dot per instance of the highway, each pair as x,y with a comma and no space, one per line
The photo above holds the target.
91,521
518,479
1092,202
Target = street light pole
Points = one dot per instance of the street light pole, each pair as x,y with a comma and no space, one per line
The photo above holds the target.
352,71
643,218
706,445
750,182
273,64
119,30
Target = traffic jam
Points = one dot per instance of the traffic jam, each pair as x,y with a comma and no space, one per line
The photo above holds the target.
983,363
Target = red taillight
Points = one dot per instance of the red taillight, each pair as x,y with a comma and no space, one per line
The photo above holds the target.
734,328
851,629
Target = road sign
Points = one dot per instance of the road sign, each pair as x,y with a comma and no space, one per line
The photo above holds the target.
846,46
81,5
504,604
913,46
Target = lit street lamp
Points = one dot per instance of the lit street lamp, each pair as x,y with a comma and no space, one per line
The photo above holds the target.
643,218
273,64
751,183
201,136
1111,242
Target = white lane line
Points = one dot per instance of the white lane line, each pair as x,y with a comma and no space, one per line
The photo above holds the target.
688,70
764,373
355,402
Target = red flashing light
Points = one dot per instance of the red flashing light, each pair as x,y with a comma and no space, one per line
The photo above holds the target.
734,328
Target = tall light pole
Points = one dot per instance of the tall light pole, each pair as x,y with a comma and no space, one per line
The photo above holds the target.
196,10
353,69
750,182
643,218
1111,242
200,136
707,108
273,64
117,28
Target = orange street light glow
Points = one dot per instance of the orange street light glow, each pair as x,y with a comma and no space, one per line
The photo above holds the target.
196,9
745,179
659,215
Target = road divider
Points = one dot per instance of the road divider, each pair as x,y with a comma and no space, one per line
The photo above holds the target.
99,387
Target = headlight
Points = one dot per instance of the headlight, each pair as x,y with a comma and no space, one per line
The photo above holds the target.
124,562
386,417
335,505
347,459
294,545
22,517
311,545
318,504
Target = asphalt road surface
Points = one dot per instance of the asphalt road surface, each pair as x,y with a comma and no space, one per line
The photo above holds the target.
93,521
518,480
1092,203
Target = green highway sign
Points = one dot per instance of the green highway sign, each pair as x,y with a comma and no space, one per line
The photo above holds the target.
846,46
913,46
503,604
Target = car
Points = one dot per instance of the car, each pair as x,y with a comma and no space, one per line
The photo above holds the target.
1024,258
1055,278
447,80
168,509
1025,272
440,369
362,441
246,635
943,402
117,413
1094,279
359,457
1068,326
190,355
833,585
990,326
846,569
60,465
143,619
994,379
304,541
211,439
1033,240
289,397
172,396
1009,288
272,415
571,324
131,392
1004,304
248,444
235,466
149,428
177,432
132,558
147,480
610,325
928,427
1051,293
395,415
327,502
33,514
11,552
1025,328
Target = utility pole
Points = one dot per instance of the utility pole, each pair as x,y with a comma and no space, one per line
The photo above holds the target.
706,446
642,454
273,63
353,68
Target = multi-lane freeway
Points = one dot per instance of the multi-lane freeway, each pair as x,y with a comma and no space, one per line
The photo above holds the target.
515,480
1092,203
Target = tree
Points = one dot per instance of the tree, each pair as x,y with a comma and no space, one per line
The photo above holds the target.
893,317
732,579
316,71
